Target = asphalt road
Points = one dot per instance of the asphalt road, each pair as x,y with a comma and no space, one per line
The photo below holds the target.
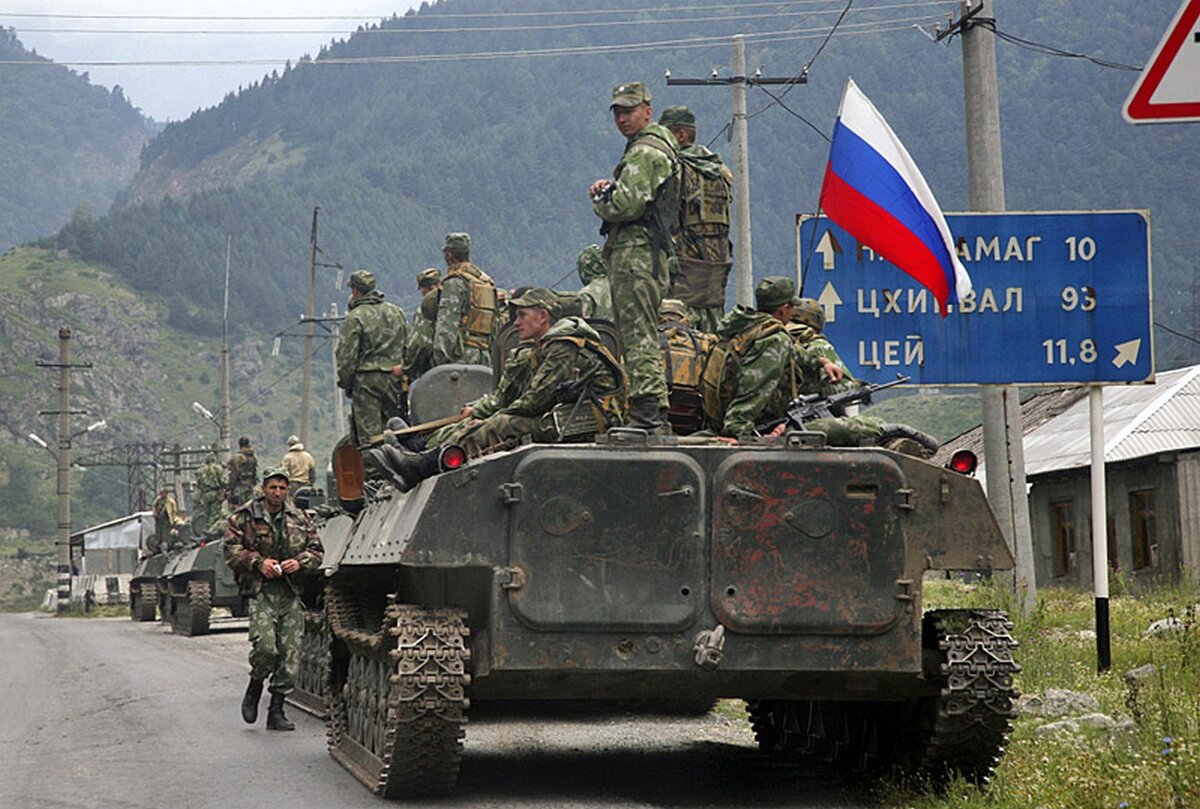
108,712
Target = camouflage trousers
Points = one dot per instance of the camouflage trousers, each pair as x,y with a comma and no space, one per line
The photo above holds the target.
276,632
848,431
637,290
376,399
476,436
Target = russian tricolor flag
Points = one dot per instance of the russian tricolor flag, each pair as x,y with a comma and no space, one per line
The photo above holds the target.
874,190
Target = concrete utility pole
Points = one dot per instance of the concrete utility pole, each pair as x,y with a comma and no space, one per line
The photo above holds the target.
339,411
224,427
306,397
742,249
1003,437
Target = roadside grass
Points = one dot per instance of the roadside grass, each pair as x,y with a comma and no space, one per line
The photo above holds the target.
1155,765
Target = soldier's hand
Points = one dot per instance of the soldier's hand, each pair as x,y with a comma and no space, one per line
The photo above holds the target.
466,411
597,188
397,370
271,569
833,371
289,565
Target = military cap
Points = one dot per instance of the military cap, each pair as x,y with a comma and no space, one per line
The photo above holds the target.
672,309
275,472
429,277
590,263
537,296
362,280
457,241
630,94
810,313
677,116
774,291
293,440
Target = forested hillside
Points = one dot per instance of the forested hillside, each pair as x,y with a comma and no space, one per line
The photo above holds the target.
63,143
428,123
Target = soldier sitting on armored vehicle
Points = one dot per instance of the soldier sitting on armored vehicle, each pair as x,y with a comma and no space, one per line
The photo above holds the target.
806,328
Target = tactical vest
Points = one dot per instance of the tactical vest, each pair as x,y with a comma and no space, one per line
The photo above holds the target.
576,418
660,215
725,361
702,241
685,352
477,323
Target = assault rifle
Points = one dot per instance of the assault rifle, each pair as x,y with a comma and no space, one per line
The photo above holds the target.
809,406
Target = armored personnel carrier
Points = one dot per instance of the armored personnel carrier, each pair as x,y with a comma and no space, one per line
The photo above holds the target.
143,587
193,581
784,573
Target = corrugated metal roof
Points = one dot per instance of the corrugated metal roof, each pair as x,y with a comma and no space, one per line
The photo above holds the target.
1139,421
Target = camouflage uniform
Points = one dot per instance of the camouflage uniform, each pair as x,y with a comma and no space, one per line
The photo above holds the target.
596,294
276,613
243,474
638,210
764,381
518,371
418,350
371,344
812,349
569,351
451,340
212,480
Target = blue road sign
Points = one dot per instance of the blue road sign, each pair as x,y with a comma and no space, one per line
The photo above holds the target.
1059,298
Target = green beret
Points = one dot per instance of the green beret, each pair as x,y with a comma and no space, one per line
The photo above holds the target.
539,297
774,291
590,263
275,472
457,241
630,94
362,280
677,116
429,277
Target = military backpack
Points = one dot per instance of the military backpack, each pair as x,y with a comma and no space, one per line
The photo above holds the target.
478,322
724,363
685,352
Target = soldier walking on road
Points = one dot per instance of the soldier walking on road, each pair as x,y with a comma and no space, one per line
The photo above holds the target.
639,206
370,358
270,544
466,311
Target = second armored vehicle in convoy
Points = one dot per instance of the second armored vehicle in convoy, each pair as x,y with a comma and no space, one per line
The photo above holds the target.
193,581
784,573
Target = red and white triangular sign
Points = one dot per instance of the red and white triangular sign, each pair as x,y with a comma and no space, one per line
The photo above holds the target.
1168,90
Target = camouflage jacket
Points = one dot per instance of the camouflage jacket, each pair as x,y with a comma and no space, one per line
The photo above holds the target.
372,338
418,351
596,299
644,173
557,359
249,539
212,480
454,303
764,381
514,380
243,469
812,349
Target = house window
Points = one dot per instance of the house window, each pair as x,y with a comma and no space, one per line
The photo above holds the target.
1145,542
1064,537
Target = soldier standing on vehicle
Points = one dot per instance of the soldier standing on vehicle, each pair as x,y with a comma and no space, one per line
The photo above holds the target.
639,206
418,351
163,509
702,242
466,311
370,358
298,463
243,473
595,297
270,544
212,482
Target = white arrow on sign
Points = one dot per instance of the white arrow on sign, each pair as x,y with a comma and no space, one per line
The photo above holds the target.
828,248
1127,353
829,301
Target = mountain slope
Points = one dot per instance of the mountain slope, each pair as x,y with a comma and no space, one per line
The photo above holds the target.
64,143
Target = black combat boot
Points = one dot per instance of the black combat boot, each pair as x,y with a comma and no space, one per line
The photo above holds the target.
275,718
908,440
644,414
406,469
250,701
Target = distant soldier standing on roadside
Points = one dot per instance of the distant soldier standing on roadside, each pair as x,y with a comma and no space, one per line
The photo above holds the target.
639,206
466,311
270,544
370,358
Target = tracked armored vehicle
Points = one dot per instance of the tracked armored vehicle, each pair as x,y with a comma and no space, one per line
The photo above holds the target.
143,587
193,581
784,573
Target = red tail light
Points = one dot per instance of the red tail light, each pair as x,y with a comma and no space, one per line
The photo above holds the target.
963,462
452,457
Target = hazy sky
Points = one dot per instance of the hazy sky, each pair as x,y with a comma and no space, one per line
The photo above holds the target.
73,34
